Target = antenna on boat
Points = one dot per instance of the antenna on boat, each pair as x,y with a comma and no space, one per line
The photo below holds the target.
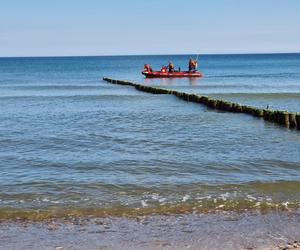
197,61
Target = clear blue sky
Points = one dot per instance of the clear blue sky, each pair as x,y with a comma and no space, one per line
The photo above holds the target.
95,27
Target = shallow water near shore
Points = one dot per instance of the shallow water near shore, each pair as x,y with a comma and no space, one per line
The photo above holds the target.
73,145
228,230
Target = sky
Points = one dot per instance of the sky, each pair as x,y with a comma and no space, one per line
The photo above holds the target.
131,27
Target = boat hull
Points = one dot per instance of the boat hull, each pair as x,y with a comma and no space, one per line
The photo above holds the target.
159,74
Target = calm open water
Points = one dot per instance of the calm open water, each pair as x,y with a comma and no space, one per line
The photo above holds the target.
71,144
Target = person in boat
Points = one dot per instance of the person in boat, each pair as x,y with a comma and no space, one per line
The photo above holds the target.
171,67
164,69
192,65
147,68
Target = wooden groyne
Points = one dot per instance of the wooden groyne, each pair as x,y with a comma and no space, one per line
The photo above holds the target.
284,118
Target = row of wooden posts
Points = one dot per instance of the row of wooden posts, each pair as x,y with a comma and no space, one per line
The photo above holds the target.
284,118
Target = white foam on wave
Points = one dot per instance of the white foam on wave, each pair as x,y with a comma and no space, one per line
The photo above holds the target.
186,197
285,204
55,202
207,197
158,198
251,198
144,204
225,196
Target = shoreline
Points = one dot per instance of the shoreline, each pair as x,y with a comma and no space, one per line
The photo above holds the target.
230,230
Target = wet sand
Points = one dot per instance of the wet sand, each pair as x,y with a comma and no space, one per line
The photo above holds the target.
273,230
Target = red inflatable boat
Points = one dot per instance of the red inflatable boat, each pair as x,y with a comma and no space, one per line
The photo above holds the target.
160,74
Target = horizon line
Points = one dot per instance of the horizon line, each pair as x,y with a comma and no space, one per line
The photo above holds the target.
159,54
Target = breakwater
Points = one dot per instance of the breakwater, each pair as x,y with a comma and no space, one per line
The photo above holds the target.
288,119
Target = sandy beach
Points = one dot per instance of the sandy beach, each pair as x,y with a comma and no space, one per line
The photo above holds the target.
275,230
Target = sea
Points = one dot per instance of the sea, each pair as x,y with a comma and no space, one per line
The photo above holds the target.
74,145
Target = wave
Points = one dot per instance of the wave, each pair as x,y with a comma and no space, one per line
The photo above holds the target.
53,87
205,206
256,75
132,201
87,96
272,95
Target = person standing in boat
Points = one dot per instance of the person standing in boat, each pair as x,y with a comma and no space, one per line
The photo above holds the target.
193,65
147,68
171,67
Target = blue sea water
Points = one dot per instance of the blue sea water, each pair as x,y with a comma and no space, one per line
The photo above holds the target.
72,143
